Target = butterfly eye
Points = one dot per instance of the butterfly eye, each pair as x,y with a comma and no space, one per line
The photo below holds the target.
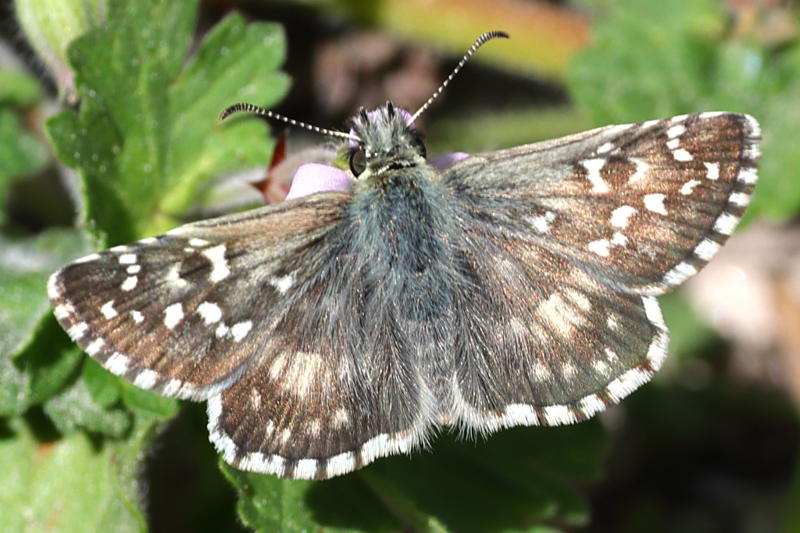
420,145
358,161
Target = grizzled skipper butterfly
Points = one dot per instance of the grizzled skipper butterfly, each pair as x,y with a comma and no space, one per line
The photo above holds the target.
515,287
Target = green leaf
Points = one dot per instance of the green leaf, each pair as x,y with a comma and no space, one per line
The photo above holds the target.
18,88
25,265
70,484
75,409
683,61
102,385
147,135
21,154
514,481
148,403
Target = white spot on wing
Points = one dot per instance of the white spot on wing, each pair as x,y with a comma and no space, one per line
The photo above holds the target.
127,259
593,168
679,273
173,315
209,312
255,399
137,316
108,310
94,347
605,147
618,239
341,464
706,249
621,216
747,175
601,247
519,413
375,447
540,371
219,266
117,364
129,284
641,169
611,355
712,170
655,203
557,415
688,187
739,198
198,243
78,330
145,379
676,131
282,283
133,269
726,223
241,329
305,469
340,417
62,311
541,223
172,387
682,155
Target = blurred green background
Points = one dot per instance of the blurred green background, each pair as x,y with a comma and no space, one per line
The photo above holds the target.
109,132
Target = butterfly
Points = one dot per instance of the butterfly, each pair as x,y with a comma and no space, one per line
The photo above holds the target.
515,287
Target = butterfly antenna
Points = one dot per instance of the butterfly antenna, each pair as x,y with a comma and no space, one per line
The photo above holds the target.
250,108
488,36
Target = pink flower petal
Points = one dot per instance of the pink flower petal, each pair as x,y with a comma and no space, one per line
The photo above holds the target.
445,160
314,177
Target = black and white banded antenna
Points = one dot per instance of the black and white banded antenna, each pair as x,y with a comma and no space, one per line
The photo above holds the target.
250,108
483,38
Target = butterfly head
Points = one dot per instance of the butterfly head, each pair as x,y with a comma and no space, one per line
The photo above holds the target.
386,142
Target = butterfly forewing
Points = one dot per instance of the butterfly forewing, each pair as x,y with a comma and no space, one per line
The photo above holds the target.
183,313
640,206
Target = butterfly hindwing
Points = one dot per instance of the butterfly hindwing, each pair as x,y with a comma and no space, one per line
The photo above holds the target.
337,383
577,346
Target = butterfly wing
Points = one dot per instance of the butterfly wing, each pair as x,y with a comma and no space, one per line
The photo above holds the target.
577,235
642,206
263,314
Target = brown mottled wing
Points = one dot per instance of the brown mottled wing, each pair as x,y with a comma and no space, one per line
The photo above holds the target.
568,242
640,206
242,311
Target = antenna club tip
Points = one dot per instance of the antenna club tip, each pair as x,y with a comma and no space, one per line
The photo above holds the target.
228,111
489,35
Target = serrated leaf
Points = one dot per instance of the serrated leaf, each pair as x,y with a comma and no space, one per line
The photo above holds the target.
39,371
147,402
74,409
25,265
70,484
684,60
514,481
147,134
102,385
